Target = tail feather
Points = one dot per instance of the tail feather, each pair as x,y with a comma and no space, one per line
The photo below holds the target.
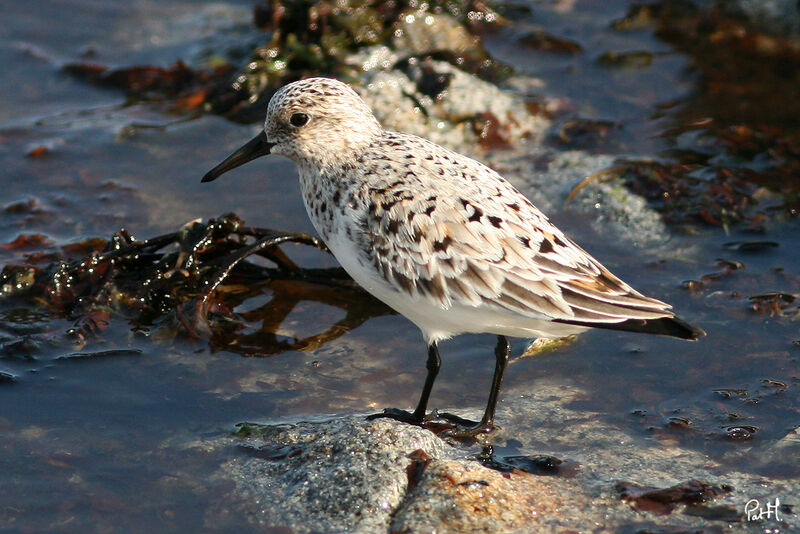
665,326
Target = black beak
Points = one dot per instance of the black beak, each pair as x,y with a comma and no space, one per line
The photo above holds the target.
255,148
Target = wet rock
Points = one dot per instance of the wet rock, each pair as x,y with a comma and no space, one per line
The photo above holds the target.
750,246
462,496
782,455
27,206
664,500
424,32
342,475
774,303
83,356
542,41
584,133
353,475
7,378
626,60
24,348
318,38
358,476
454,113
15,279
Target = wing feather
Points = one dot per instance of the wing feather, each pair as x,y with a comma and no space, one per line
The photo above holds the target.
482,244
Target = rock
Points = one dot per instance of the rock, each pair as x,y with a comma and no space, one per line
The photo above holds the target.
464,496
343,475
436,100
783,452
353,475
424,32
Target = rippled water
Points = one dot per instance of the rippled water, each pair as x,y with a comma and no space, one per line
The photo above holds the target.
116,442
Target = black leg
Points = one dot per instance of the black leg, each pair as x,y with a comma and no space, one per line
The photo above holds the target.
416,418
501,354
470,429
433,365
464,428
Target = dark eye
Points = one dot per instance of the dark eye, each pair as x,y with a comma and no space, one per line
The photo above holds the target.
298,119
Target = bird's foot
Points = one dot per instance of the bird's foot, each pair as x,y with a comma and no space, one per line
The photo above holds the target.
446,425
466,429
398,415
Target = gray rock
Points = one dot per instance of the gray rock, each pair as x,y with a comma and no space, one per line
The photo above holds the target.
399,104
343,475
353,475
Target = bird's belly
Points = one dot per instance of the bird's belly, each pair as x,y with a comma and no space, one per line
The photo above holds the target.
436,322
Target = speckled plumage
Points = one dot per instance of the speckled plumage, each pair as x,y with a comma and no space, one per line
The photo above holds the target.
440,237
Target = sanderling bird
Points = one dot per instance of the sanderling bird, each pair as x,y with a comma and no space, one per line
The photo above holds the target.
441,238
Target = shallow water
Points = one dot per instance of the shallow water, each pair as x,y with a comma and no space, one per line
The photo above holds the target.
116,442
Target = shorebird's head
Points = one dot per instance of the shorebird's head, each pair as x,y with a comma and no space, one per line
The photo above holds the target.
319,122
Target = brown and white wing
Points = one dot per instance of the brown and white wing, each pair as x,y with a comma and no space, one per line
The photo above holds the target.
502,254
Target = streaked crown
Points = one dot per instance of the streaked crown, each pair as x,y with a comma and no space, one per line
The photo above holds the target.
320,122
